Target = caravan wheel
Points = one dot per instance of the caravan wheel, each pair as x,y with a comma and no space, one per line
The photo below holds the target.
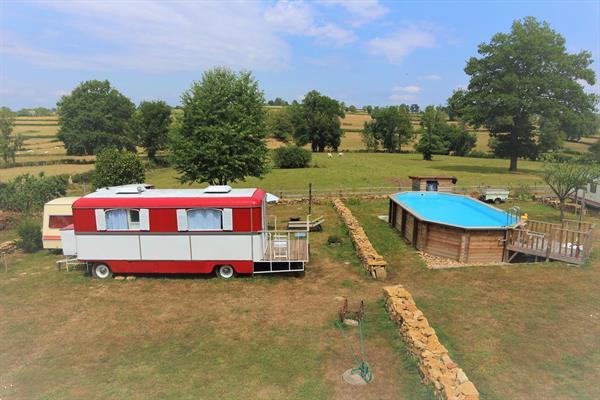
101,271
225,271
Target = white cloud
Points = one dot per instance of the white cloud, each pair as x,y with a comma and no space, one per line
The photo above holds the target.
299,18
363,11
431,77
294,17
402,97
407,89
156,36
404,93
332,34
399,44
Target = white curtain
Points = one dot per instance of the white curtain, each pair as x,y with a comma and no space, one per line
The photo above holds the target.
204,220
116,220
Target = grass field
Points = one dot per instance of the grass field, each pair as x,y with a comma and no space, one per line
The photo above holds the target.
65,335
355,170
519,331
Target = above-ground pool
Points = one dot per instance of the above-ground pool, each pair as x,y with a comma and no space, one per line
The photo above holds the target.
452,209
451,226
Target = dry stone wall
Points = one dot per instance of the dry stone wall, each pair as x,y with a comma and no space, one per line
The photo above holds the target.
435,365
371,260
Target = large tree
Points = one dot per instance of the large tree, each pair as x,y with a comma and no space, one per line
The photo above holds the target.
390,128
220,137
317,121
150,126
522,77
279,124
9,143
433,124
94,115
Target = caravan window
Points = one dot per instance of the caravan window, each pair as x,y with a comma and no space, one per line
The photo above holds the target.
59,221
121,219
205,219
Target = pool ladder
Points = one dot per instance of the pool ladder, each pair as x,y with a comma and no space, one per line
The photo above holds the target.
513,214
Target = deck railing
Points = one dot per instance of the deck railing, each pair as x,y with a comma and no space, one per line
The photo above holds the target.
553,241
286,246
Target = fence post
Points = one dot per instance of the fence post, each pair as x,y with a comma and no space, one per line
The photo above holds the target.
550,243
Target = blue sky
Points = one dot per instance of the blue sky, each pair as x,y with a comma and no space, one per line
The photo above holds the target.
360,52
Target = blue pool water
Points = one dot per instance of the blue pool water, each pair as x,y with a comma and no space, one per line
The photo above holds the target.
453,209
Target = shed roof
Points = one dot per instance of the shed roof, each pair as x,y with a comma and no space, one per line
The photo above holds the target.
432,177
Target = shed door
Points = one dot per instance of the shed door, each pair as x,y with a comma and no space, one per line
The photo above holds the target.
432,186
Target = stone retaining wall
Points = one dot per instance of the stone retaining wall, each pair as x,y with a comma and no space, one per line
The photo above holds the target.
372,261
435,366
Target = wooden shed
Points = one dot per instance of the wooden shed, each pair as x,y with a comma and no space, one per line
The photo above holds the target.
433,183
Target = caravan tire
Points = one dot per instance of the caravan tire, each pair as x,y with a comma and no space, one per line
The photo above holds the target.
225,271
101,271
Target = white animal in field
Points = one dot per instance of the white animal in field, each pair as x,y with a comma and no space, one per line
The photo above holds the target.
340,154
329,155
46,152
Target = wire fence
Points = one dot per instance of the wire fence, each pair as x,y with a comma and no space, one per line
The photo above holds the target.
373,191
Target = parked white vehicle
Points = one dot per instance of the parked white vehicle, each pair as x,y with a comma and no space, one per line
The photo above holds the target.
592,195
494,195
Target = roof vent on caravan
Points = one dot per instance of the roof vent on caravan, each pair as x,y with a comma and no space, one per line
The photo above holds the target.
218,189
127,189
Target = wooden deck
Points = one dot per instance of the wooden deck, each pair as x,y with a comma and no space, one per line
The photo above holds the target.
288,246
570,242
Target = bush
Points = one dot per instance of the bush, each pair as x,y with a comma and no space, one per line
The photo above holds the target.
117,167
480,154
82,177
521,192
30,236
291,157
28,193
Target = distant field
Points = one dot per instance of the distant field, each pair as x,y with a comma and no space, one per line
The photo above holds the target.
7,174
356,170
41,145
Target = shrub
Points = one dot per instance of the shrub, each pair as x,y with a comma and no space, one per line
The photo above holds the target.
480,154
82,177
291,157
522,192
30,236
28,193
117,167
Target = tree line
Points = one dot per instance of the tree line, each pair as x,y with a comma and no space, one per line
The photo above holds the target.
525,88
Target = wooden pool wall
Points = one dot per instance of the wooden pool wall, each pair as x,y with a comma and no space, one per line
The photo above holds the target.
466,245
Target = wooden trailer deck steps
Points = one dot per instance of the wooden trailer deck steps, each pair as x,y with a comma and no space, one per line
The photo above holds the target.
570,241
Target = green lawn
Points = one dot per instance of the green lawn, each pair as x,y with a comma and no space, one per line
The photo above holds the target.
68,336
355,170
529,331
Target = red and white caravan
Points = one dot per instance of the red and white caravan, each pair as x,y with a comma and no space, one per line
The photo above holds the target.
138,229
